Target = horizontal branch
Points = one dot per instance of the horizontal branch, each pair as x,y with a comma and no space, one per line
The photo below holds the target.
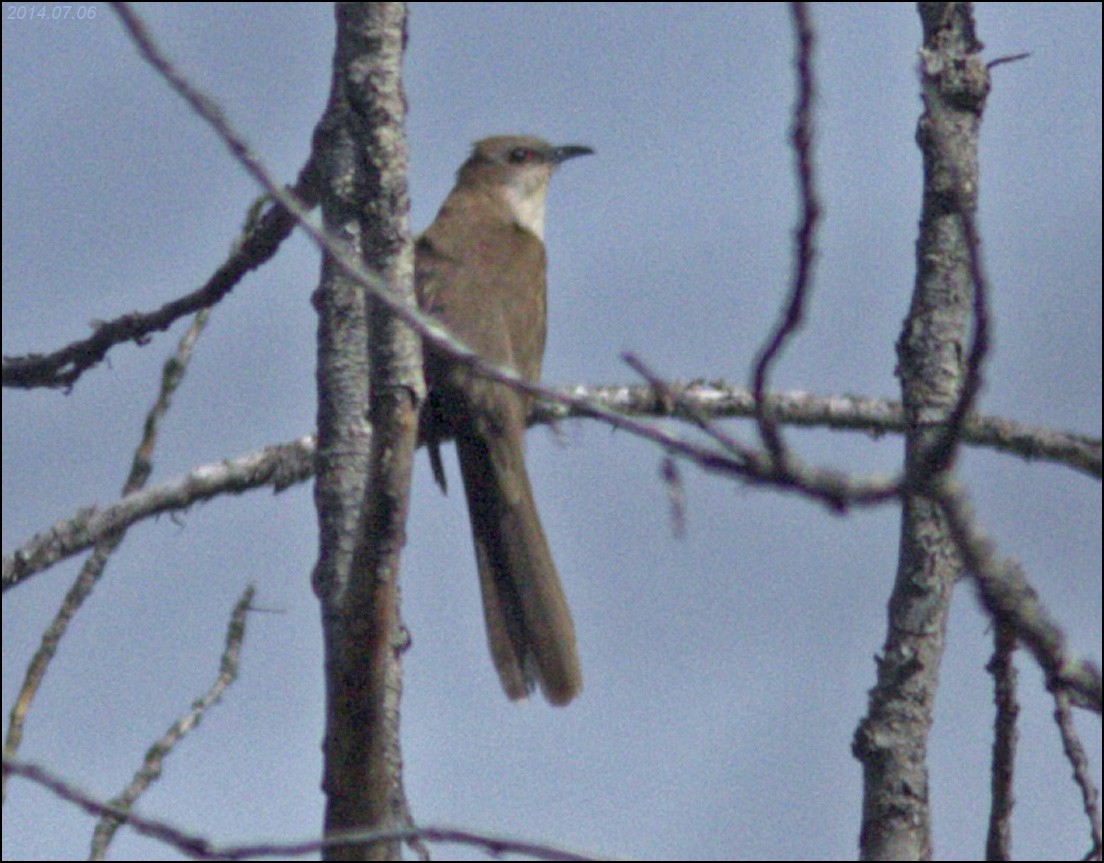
287,464
847,413
200,848
279,466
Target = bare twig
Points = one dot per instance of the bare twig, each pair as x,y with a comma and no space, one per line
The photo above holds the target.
672,400
801,136
279,466
287,464
155,756
998,844
106,541
199,848
1010,600
1082,772
1010,58
706,402
63,367
676,495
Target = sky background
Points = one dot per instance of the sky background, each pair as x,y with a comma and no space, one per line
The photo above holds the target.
725,671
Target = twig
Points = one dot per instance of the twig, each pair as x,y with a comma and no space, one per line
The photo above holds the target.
1010,600
1082,773
105,542
200,848
672,400
998,844
63,367
801,137
279,466
287,464
150,770
1010,58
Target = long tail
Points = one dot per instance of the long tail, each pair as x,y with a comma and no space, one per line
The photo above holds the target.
529,627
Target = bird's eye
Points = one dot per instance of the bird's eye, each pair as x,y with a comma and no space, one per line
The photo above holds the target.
522,154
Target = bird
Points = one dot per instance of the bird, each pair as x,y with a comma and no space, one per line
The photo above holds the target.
480,271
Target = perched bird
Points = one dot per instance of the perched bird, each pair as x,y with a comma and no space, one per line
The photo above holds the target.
480,270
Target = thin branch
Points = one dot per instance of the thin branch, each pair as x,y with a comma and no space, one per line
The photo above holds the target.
1010,58
258,243
278,466
717,400
150,770
801,137
998,845
676,495
1082,772
105,542
671,400
199,848
284,465
1011,601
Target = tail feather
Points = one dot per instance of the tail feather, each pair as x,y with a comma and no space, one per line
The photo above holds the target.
529,627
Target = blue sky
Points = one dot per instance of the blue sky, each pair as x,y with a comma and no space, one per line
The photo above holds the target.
725,671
